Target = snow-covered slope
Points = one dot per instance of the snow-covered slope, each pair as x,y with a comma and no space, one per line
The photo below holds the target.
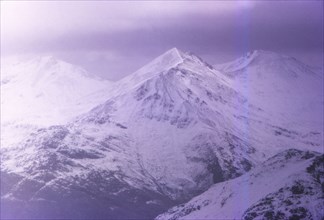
185,114
289,185
44,91
163,135
281,85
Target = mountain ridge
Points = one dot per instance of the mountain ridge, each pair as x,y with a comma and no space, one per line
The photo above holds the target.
176,112
282,85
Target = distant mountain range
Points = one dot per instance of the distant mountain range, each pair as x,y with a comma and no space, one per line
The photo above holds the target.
176,130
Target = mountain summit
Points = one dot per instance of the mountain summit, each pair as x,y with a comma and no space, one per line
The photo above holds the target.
41,92
37,90
281,85
171,59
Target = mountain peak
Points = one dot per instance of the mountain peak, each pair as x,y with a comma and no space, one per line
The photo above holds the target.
255,56
266,54
164,62
46,59
170,59
171,56
174,51
45,66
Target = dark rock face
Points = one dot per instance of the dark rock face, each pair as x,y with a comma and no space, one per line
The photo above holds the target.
221,162
216,171
317,170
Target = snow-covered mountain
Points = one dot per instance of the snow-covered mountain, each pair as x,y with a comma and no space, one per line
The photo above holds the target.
164,134
288,185
281,85
44,91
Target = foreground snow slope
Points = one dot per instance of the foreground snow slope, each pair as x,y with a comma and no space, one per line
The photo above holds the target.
289,185
281,85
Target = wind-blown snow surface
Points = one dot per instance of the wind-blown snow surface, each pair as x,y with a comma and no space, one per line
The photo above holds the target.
163,135
286,186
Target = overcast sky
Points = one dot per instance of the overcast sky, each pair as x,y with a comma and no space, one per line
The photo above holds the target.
113,39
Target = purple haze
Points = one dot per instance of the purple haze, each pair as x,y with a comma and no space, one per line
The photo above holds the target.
102,36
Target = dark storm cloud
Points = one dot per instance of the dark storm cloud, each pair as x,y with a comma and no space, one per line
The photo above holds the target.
216,30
